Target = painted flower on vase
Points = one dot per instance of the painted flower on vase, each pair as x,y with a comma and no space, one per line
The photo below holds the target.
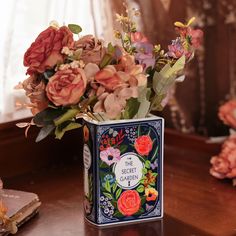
86,133
129,202
151,194
110,178
149,179
143,145
110,155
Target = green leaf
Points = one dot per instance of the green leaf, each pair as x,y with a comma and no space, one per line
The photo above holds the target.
147,164
131,108
108,186
143,200
59,132
47,116
103,165
118,192
114,186
155,153
143,98
75,29
110,48
140,188
144,171
141,211
155,174
106,60
139,131
123,148
44,132
118,214
68,115
164,80
108,195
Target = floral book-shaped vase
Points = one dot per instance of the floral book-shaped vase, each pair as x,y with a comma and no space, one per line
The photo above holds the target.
123,170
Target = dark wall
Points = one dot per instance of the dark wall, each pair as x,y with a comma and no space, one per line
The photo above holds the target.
211,75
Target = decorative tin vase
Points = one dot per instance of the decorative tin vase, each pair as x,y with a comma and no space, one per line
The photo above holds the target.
123,170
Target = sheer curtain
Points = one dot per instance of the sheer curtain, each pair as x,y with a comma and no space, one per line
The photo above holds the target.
22,20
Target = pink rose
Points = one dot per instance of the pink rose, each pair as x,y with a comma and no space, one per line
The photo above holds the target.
45,52
227,113
66,86
93,50
224,165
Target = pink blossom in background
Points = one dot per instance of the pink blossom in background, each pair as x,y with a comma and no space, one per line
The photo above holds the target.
224,164
227,113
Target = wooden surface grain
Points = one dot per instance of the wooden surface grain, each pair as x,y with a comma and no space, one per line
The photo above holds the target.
196,204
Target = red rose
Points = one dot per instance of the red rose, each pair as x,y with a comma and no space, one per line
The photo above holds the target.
129,202
45,52
66,86
143,145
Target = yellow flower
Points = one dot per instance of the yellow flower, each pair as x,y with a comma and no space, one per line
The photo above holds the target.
181,25
151,194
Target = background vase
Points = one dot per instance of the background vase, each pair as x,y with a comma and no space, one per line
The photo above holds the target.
123,170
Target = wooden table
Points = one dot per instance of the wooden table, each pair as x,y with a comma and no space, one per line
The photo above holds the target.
196,204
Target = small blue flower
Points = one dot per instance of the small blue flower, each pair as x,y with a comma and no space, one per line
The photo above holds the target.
110,179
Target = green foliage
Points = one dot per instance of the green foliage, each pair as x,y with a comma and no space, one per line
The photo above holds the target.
108,186
47,116
123,148
118,214
68,115
75,29
164,80
144,95
131,108
118,193
108,195
140,188
61,129
147,164
44,132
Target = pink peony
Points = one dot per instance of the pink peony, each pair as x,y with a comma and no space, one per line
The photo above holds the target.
45,52
66,86
110,155
227,113
224,165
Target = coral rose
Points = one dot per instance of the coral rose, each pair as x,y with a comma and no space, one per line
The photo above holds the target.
227,113
129,202
66,86
224,165
143,145
45,52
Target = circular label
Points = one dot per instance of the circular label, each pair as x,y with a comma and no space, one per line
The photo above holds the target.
128,171
87,157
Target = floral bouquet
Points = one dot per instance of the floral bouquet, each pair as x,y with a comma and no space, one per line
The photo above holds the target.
224,164
84,77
